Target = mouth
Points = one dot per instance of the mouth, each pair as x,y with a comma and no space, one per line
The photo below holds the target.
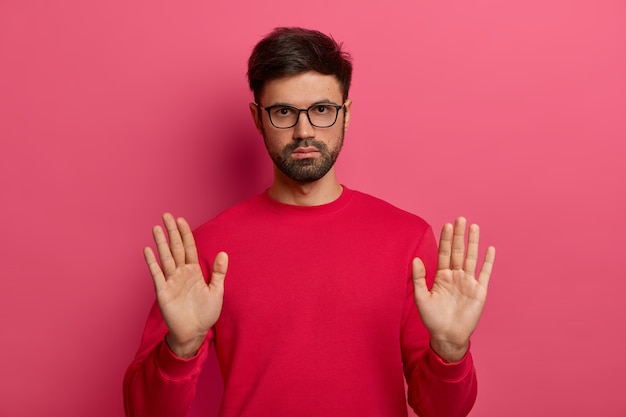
305,152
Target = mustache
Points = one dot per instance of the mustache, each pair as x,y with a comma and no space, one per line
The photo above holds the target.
306,143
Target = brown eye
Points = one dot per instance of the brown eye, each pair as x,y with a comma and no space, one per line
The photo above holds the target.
322,109
283,111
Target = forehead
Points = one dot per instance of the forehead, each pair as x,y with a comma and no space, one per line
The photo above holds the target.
302,90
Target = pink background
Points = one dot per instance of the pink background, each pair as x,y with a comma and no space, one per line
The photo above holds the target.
512,113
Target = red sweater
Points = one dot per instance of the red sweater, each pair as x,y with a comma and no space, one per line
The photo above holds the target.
318,320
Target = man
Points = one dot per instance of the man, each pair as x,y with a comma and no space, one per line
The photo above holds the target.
327,302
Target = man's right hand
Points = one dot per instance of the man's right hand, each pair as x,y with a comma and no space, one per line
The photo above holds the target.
189,306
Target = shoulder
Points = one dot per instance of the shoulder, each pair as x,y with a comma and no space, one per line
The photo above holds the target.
235,215
395,230
377,208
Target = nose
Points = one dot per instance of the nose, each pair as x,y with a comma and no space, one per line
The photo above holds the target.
303,129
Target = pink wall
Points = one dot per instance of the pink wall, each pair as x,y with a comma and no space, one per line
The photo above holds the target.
512,113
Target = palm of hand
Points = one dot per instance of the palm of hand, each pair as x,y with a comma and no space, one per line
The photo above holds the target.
451,309
190,306
454,305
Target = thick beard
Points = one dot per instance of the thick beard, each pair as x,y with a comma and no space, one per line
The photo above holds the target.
309,169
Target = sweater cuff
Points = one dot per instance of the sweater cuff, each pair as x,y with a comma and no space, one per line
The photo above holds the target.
174,368
450,371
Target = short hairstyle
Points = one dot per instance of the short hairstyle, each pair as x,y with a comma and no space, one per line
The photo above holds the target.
288,51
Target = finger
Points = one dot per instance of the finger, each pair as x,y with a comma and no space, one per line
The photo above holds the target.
155,269
176,241
485,272
458,243
419,279
220,267
189,243
167,262
471,259
445,247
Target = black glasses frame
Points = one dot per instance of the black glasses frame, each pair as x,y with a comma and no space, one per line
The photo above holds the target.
269,115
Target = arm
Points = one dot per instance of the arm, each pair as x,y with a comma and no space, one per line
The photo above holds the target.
442,380
158,383
161,380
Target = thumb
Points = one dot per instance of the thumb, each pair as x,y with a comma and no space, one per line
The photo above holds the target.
220,266
419,279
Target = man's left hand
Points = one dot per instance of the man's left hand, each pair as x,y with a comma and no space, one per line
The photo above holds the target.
451,309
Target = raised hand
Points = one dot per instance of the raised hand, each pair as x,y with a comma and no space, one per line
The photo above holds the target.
451,309
189,306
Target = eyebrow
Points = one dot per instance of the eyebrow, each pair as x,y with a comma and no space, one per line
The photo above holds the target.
323,101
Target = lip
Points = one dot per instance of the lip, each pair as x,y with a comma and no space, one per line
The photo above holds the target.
307,152
307,149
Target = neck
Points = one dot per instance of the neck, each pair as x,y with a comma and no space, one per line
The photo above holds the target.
323,191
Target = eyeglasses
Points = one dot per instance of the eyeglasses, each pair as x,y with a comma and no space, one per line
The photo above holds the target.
319,115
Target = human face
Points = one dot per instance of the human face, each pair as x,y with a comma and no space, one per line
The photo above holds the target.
303,153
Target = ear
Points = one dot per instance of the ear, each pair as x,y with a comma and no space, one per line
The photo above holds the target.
256,116
346,117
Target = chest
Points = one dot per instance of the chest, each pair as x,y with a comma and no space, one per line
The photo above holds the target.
315,278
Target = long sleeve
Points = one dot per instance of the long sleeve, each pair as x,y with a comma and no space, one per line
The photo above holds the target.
451,388
435,388
157,383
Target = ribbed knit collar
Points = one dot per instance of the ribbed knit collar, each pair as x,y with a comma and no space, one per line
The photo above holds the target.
292,209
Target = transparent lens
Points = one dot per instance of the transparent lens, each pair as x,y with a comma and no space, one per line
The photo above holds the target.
283,116
322,115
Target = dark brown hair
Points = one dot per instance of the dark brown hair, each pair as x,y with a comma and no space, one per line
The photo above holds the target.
288,51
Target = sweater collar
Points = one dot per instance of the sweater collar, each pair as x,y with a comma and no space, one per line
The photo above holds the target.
287,209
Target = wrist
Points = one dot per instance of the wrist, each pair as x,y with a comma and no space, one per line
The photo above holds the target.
449,352
184,350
